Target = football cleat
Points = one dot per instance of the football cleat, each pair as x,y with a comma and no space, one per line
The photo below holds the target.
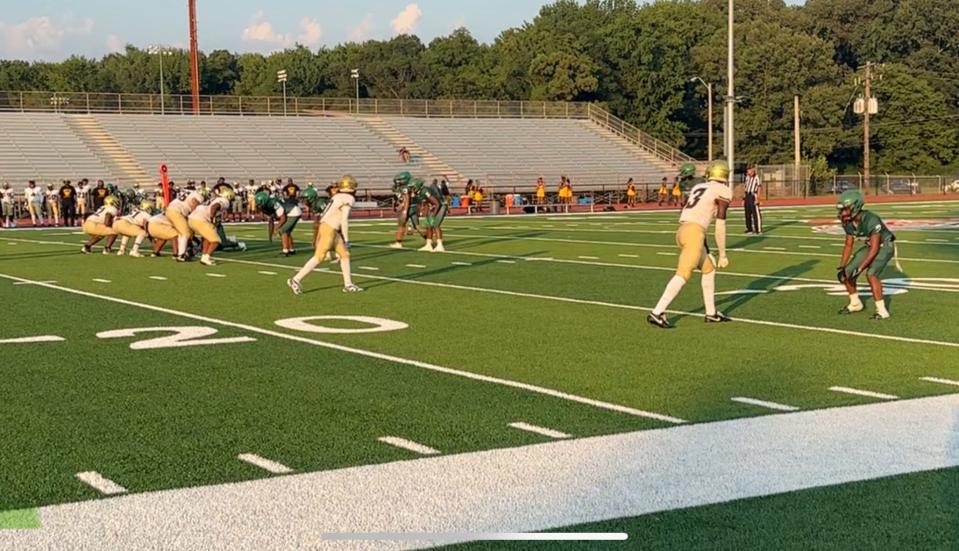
86,249
294,286
241,246
427,247
136,255
879,317
121,252
107,251
846,310
718,317
439,249
352,289
207,262
179,258
396,245
659,320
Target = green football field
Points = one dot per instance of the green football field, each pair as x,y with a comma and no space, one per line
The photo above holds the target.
158,375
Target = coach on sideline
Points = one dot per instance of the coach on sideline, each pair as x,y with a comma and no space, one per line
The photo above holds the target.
754,218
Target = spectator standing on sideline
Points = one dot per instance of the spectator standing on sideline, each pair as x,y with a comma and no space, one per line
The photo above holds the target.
6,205
663,193
83,195
754,217
34,199
540,191
99,194
68,203
291,191
676,199
630,193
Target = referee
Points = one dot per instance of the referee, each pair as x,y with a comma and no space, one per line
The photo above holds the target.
754,218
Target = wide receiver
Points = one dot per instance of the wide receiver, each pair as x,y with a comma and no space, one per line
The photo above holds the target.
870,259
707,201
333,235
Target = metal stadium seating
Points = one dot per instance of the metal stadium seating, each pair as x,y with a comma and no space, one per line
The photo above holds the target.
38,146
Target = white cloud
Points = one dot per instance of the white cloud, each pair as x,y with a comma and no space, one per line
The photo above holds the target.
40,36
114,44
406,21
362,31
261,30
310,32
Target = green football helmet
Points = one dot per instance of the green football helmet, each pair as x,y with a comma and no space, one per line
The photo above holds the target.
309,194
688,170
851,199
402,179
262,199
417,184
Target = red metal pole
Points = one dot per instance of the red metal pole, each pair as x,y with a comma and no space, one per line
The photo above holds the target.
194,60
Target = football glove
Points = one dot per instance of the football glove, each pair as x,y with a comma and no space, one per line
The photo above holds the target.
841,274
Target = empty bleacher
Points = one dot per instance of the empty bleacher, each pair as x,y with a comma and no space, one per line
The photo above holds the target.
516,151
39,146
319,149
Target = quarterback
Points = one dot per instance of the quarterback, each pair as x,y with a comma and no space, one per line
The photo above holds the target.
707,201
870,259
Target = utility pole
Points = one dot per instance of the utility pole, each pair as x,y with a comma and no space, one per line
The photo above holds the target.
194,60
797,153
730,98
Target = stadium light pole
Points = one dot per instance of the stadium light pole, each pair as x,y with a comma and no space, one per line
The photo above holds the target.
281,77
730,95
709,114
161,51
355,75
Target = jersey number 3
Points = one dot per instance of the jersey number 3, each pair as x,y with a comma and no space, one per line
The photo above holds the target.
695,197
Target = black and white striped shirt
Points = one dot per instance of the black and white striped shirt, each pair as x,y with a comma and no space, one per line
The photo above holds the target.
752,184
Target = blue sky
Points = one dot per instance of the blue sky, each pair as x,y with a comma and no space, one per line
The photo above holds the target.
54,29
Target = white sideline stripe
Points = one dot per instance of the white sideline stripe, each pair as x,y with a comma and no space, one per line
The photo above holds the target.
620,306
774,248
415,266
408,445
31,340
764,404
98,280
266,273
810,247
265,464
628,256
587,263
543,431
866,393
370,354
937,240
31,283
103,485
583,480
214,275
940,381
370,268
158,278
588,257
454,537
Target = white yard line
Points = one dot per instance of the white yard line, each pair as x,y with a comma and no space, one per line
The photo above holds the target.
542,431
810,247
582,480
622,306
940,381
764,404
158,278
866,393
369,268
415,266
370,354
98,280
774,249
103,485
461,263
267,273
588,257
743,292
32,340
31,283
506,261
215,275
628,256
408,445
265,464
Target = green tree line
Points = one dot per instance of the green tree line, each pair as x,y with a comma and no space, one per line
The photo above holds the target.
637,60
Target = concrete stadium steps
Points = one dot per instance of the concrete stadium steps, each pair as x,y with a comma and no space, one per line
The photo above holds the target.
110,152
513,152
631,148
433,164
40,146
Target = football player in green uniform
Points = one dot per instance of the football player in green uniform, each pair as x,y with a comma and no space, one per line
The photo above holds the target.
283,212
434,206
870,259
407,214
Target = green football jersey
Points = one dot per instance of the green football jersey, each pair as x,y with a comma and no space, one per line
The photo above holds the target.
869,225
426,192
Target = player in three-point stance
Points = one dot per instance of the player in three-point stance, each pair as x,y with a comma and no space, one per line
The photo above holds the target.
100,225
707,201
872,258
334,234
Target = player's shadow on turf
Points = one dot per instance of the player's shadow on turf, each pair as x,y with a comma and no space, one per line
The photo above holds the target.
731,303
